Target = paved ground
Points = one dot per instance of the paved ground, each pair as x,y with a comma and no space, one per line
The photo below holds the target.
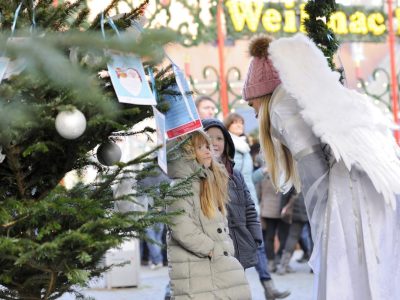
153,282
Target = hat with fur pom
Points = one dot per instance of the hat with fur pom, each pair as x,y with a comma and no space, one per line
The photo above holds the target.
262,78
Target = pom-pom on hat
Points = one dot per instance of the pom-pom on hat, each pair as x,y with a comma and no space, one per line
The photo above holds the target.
262,78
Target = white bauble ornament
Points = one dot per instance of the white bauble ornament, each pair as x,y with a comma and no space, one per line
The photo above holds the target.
109,153
2,156
71,124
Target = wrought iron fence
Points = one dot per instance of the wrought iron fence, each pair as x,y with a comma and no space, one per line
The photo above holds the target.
382,96
209,85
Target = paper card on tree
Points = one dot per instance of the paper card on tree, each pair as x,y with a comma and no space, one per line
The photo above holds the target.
3,66
2,156
16,66
129,80
182,116
161,140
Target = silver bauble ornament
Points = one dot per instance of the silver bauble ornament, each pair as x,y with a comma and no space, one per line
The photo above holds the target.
71,124
109,153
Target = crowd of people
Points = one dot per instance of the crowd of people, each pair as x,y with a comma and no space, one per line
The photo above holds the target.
250,208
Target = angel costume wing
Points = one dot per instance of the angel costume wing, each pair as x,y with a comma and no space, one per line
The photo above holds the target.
346,120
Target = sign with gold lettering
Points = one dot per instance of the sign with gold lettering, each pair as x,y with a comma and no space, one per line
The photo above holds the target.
245,17
196,22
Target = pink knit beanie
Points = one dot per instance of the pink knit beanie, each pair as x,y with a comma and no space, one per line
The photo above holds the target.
262,78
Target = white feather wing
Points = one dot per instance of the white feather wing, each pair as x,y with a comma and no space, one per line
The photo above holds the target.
346,120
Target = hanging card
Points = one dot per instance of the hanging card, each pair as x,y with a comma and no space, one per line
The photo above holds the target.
129,80
3,66
2,156
16,66
182,116
161,139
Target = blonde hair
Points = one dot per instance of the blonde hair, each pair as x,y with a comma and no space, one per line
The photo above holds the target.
277,156
214,187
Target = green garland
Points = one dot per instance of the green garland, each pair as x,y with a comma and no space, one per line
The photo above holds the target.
317,29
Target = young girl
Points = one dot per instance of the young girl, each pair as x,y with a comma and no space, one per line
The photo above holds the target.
244,226
201,258
328,140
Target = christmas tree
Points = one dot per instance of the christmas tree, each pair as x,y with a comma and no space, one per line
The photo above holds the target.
52,238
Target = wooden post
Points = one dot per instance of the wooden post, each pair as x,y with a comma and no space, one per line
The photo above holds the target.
222,82
392,53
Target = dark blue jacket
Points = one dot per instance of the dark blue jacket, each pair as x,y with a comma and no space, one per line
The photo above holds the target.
243,221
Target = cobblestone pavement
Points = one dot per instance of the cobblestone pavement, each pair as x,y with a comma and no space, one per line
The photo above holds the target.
153,282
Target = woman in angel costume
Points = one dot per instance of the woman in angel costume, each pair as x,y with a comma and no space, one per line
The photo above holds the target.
334,146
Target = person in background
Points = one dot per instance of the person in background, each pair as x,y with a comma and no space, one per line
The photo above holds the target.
255,155
306,243
154,233
206,107
270,214
201,257
243,161
272,221
243,222
295,210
